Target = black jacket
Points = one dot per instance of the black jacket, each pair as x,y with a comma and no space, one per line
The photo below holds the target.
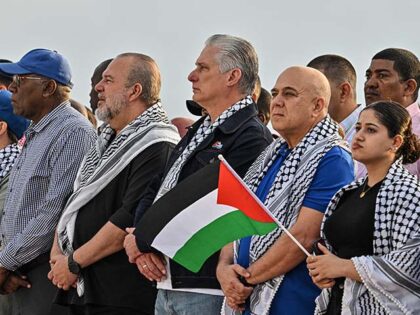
240,139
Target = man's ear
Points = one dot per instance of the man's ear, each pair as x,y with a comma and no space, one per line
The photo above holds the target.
136,91
319,105
234,76
345,90
410,87
3,128
49,88
262,117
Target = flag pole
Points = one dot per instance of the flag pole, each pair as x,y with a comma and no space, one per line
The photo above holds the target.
222,159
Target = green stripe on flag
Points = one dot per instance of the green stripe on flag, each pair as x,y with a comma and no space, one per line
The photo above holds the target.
212,237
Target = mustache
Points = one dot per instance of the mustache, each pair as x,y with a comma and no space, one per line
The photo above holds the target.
372,91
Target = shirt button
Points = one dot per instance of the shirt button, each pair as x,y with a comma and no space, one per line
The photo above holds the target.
341,286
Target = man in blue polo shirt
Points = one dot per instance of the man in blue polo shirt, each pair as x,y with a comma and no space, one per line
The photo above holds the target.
295,178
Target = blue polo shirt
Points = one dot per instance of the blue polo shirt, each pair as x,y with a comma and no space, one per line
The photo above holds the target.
297,293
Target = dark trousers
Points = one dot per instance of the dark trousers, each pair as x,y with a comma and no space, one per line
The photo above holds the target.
38,299
5,305
102,310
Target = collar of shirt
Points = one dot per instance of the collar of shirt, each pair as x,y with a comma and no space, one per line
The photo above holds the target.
47,119
414,109
351,119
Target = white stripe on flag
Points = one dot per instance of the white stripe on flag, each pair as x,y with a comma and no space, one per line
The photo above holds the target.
189,221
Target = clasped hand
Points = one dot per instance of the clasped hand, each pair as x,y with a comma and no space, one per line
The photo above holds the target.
60,274
11,282
150,265
235,291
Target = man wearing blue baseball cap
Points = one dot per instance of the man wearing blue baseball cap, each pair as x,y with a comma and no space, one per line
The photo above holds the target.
42,177
5,79
44,62
12,128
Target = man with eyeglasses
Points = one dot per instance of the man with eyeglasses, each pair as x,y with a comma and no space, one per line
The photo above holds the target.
42,177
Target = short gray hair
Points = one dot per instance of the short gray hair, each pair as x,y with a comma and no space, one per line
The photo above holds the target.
236,52
145,71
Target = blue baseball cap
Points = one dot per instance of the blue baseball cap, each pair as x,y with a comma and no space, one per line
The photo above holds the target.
17,124
44,62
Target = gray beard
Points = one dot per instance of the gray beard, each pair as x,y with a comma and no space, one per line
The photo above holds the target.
111,109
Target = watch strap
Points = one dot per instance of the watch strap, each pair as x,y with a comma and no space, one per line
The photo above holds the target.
74,267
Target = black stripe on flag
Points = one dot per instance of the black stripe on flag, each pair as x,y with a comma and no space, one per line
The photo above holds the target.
176,200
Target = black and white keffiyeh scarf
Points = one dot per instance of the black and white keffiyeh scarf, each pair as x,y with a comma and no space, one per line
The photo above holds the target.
285,197
8,156
106,160
391,277
202,133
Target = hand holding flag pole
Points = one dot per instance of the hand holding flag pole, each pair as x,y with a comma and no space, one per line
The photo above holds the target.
222,159
203,213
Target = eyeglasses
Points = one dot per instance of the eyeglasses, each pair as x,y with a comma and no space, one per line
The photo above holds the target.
17,79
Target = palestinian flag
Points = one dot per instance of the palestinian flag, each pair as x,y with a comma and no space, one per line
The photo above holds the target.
201,214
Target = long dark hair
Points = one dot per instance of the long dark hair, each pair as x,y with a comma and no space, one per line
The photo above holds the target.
397,121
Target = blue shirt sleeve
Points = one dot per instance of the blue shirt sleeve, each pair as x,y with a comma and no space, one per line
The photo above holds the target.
335,170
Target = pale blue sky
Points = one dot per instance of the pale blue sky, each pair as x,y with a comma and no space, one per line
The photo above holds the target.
173,33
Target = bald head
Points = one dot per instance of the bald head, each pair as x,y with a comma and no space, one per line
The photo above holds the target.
300,100
312,80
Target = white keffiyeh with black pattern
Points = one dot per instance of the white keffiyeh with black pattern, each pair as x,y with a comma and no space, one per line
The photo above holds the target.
206,128
391,277
106,160
8,156
285,197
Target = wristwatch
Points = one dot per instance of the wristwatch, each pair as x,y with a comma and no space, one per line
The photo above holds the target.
74,267
245,283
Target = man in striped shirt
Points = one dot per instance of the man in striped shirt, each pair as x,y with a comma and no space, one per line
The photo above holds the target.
42,177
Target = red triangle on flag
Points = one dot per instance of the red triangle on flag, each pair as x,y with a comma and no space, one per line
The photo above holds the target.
232,192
